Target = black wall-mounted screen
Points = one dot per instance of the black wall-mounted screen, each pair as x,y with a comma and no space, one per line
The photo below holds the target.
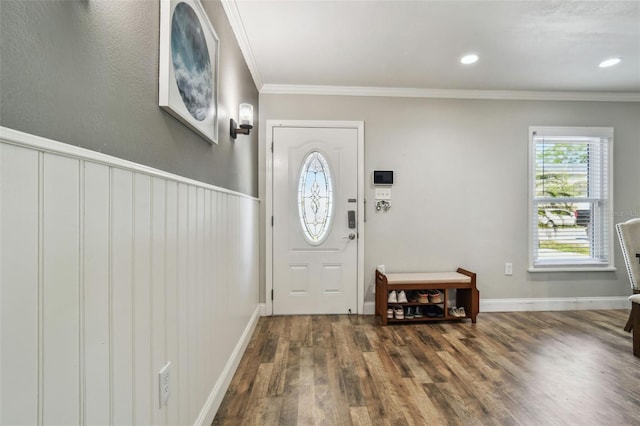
383,177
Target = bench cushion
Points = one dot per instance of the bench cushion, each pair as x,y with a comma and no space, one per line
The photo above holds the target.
427,277
635,298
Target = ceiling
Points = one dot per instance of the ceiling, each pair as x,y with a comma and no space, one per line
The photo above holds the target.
404,46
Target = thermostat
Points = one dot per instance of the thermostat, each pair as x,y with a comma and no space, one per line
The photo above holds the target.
383,177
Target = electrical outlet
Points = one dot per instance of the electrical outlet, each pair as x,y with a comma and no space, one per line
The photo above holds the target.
508,268
163,384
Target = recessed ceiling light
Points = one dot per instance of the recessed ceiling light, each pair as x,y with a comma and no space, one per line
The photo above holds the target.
469,59
609,62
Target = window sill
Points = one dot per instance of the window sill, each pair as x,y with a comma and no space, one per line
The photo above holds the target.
572,269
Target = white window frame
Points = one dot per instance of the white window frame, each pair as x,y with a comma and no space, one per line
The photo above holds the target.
603,229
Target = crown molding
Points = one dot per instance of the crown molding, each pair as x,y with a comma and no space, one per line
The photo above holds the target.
399,92
231,10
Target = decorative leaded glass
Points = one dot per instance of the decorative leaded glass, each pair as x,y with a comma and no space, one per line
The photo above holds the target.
315,197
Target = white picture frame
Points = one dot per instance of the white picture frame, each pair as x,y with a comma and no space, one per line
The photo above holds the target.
188,66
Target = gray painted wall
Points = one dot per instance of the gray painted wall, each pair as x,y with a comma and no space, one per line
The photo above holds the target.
86,73
460,197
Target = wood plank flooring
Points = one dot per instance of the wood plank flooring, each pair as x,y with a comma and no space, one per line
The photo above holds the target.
516,368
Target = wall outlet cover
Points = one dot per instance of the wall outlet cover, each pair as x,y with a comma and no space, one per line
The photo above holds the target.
164,384
508,268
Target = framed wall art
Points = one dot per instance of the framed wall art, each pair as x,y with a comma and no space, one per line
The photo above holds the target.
188,77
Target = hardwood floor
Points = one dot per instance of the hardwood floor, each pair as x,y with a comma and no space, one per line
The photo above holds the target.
529,368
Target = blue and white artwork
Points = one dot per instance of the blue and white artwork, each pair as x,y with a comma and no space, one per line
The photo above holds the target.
191,62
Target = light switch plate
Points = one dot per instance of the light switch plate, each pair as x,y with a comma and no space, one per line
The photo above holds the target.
383,193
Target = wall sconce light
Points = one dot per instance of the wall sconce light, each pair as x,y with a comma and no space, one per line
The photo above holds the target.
245,116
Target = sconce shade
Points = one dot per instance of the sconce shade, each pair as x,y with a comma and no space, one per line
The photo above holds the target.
245,116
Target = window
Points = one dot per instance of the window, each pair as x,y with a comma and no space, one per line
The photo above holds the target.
570,203
315,198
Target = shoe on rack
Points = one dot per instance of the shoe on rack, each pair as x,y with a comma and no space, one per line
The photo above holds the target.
430,311
389,313
461,312
413,296
422,297
409,313
398,312
402,297
434,296
454,312
418,313
393,298
439,311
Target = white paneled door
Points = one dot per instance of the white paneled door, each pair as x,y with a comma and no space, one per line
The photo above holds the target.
315,220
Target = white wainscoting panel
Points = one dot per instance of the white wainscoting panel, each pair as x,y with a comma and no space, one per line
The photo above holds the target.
121,300
96,306
60,313
108,271
20,286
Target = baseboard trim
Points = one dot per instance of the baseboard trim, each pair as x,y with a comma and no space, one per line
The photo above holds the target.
369,308
553,304
541,304
210,408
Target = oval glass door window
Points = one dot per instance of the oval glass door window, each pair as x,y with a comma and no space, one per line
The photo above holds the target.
315,198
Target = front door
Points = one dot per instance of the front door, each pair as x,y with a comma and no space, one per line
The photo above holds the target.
315,250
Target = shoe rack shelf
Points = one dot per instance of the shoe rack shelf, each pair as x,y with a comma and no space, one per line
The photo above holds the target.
462,282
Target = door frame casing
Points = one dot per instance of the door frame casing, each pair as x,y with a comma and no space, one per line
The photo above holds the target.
271,125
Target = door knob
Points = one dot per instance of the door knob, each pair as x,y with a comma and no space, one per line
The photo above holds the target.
352,236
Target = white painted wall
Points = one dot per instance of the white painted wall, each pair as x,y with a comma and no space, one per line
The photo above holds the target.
460,196
109,270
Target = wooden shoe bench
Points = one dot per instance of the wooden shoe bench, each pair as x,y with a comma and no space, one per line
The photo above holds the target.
463,282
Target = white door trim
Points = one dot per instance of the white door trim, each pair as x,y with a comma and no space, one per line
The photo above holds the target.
271,124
